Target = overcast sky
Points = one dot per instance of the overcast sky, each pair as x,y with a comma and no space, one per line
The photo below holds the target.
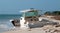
14,6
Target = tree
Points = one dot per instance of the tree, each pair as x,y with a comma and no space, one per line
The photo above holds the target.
52,13
56,12
47,13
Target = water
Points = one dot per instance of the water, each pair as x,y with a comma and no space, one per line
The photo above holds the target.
5,24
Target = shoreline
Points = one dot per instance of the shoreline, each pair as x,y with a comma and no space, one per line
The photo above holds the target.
44,29
33,30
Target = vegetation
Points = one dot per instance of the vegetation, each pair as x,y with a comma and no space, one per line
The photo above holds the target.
56,14
52,13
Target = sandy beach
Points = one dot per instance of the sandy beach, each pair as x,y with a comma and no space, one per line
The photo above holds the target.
34,30
45,29
48,27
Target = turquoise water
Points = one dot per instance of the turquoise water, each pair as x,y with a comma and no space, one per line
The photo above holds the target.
5,23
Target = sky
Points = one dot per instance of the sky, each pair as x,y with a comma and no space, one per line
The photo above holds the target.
14,6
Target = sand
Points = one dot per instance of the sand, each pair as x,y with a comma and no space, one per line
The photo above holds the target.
46,29
34,30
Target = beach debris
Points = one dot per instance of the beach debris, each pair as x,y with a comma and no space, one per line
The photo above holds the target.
51,28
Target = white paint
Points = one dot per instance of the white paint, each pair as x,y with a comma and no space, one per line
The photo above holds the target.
11,20
40,19
22,25
26,10
14,26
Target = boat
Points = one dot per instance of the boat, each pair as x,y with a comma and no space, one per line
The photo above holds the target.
28,19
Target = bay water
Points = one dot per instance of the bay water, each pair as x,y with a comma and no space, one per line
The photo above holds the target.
5,23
